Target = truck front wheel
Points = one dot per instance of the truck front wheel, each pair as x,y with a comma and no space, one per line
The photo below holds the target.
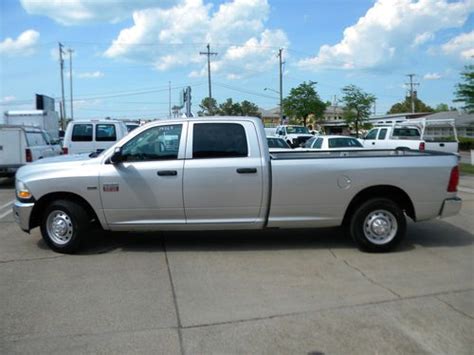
64,226
378,225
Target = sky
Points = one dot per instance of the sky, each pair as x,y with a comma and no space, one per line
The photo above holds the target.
126,54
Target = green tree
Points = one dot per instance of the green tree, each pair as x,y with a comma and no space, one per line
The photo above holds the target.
441,107
208,107
303,101
249,109
230,108
465,90
405,106
357,105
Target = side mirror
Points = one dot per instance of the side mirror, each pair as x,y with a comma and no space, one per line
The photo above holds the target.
117,157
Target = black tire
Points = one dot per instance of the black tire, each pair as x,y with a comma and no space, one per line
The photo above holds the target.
377,215
70,216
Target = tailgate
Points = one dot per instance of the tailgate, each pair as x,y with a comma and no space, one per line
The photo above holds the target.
447,147
10,147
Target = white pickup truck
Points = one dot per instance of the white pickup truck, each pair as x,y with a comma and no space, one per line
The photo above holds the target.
220,175
295,136
393,137
20,145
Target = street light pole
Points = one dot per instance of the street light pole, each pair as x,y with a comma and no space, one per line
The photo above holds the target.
281,109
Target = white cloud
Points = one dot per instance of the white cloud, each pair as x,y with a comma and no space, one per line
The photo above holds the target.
432,76
76,12
90,75
461,45
422,38
7,99
24,45
172,37
388,31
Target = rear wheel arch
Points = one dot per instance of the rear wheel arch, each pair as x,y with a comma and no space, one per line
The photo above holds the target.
41,205
390,192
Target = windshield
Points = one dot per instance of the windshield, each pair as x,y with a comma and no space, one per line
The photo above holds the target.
297,130
277,143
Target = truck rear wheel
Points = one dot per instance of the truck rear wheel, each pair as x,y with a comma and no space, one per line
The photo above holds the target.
378,225
64,226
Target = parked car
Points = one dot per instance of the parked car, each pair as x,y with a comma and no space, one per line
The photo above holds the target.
394,137
221,176
295,136
20,145
276,144
92,136
333,143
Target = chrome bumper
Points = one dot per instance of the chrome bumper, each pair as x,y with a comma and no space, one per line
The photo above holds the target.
450,207
21,214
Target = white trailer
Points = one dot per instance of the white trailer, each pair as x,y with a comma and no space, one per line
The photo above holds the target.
43,119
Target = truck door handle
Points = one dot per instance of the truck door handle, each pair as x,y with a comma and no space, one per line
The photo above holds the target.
167,173
441,144
246,170
373,143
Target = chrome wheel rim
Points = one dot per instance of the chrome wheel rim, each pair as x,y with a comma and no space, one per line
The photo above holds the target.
380,227
59,227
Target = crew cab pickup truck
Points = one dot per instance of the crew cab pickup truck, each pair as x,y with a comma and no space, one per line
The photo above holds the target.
220,175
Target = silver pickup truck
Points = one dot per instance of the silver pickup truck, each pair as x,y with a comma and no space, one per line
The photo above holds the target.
217,173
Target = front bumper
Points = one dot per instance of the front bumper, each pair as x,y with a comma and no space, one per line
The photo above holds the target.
22,213
450,207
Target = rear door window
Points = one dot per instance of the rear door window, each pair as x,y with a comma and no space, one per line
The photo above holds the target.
105,133
406,133
219,140
82,133
382,133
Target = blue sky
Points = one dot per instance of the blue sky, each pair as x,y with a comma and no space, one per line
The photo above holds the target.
126,52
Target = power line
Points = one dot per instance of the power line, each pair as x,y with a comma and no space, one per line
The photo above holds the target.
209,53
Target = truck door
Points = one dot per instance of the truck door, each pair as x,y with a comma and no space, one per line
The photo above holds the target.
223,175
145,190
380,142
369,140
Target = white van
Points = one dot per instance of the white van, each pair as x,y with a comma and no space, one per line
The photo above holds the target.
92,136
20,145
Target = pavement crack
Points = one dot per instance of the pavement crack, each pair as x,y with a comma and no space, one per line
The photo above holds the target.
332,253
31,259
372,280
454,308
342,307
175,300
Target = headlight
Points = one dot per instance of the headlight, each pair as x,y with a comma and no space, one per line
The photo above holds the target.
22,191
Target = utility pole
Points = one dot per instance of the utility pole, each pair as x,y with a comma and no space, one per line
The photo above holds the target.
281,83
375,107
169,98
209,53
412,91
63,105
70,51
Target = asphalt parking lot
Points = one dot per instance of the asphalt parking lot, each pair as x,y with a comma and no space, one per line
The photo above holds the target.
299,292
